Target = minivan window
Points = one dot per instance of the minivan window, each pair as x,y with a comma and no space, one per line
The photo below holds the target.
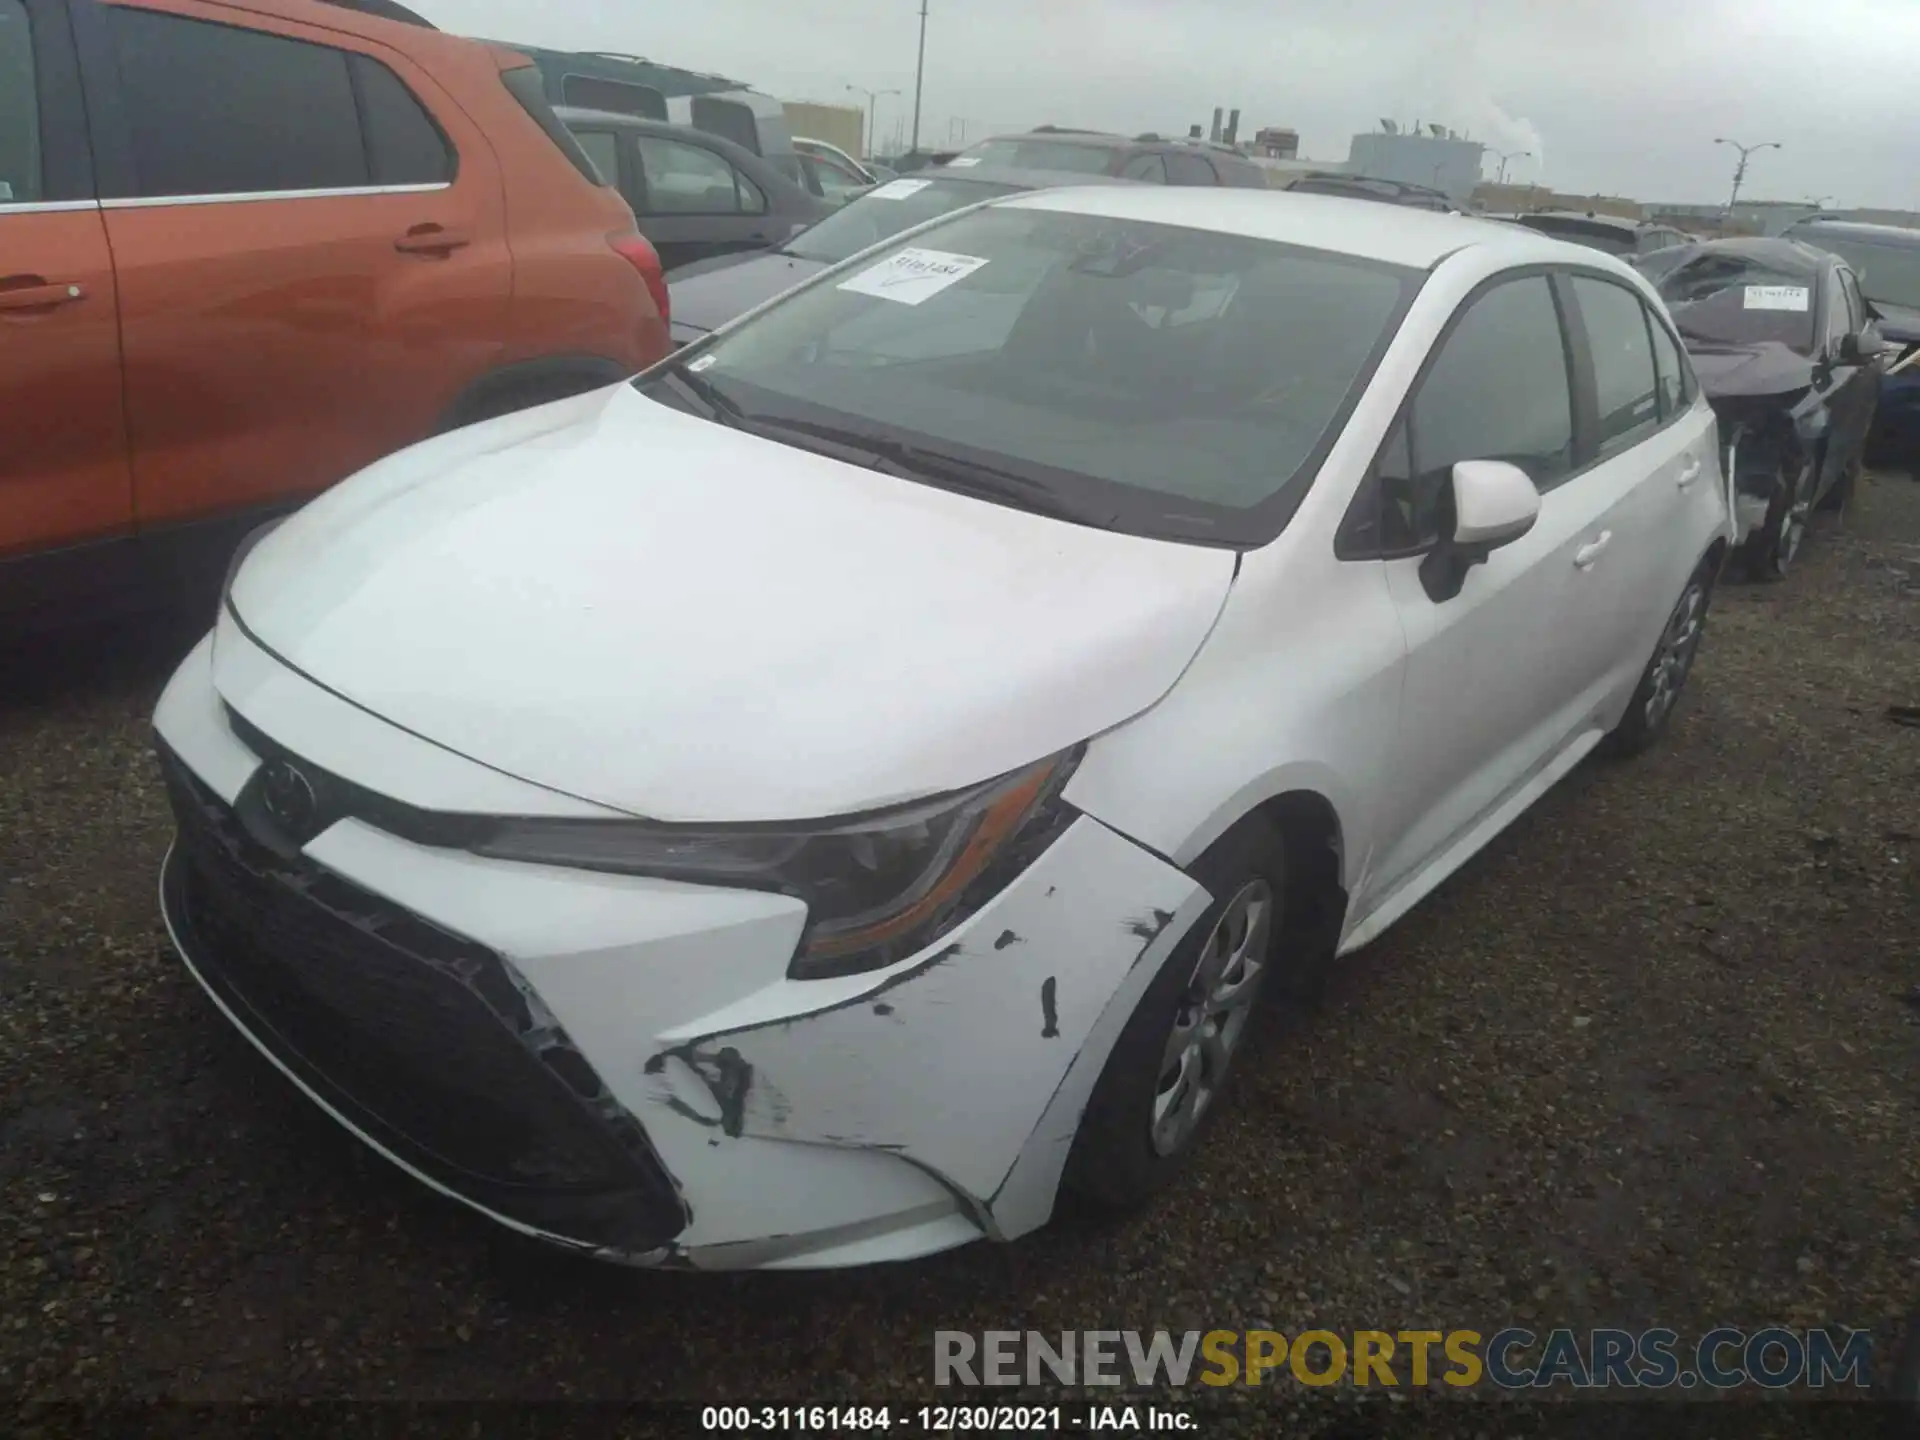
1141,376
687,179
220,110
1498,390
884,212
1623,378
590,92
19,108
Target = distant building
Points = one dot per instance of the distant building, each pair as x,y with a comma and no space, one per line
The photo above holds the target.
1441,161
1277,144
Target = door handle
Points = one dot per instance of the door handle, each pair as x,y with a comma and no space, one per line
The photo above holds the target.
1691,473
1584,557
31,292
430,240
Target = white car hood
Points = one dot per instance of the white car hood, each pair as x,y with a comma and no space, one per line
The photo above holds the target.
644,609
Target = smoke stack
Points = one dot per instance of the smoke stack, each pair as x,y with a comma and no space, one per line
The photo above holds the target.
1217,113
1233,127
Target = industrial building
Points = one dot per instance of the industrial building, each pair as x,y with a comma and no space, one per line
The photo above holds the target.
1436,158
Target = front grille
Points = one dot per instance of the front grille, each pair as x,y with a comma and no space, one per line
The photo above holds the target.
426,1041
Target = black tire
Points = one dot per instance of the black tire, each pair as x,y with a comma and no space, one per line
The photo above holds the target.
1771,553
1116,1163
1841,495
1667,669
1904,1388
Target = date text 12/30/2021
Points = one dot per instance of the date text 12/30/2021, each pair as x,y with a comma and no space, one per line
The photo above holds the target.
944,1419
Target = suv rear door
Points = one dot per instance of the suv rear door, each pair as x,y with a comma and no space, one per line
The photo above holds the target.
63,442
311,247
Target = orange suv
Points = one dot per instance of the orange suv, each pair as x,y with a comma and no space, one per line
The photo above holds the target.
250,246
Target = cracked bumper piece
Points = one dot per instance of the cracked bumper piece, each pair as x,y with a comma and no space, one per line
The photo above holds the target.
622,1065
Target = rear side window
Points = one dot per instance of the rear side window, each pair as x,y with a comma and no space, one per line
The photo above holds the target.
1670,369
1146,167
19,108
525,85
603,148
687,179
218,110
1498,390
1184,169
404,146
1623,377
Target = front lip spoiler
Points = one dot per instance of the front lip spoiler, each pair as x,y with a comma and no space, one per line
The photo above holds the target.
664,1255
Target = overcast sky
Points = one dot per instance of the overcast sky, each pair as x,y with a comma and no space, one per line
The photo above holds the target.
1617,96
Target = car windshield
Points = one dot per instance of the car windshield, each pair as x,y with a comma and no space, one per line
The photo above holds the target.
1614,240
884,212
1045,154
1722,299
1887,273
1142,377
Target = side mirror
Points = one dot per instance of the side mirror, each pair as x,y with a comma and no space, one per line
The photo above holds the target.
1860,347
1494,504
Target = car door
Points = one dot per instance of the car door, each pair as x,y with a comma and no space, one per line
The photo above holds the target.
693,202
1854,387
1646,460
310,242
63,442
1487,700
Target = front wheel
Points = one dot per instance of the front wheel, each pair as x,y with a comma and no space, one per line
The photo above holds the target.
1168,1069
1666,674
1771,553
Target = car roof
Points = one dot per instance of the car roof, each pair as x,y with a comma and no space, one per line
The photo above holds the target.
1859,230
1021,176
1607,222
1789,256
1390,234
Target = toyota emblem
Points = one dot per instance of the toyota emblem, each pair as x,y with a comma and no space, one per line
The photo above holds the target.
288,797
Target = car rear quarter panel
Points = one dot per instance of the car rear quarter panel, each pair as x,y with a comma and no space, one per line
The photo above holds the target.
572,294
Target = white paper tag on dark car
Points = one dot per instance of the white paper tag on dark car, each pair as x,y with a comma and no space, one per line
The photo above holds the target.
913,275
1777,297
898,189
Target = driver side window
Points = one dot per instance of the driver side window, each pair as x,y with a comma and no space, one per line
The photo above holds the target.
1498,389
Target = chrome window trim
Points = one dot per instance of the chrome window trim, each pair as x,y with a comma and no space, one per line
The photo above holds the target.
149,202
46,207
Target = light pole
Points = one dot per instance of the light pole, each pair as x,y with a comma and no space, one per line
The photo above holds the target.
1740,170
919,75
873,98
1504,156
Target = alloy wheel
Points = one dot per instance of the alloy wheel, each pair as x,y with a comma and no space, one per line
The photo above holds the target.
1674,658
1212,1016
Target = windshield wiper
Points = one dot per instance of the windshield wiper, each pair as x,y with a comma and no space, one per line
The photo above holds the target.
719,405
946,472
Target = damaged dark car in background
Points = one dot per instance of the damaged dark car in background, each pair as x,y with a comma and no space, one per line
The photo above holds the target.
1789,354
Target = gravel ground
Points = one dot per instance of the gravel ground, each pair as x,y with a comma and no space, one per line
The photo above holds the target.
1650,1059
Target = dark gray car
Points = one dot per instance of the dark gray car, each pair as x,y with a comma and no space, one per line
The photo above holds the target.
693,193
709,293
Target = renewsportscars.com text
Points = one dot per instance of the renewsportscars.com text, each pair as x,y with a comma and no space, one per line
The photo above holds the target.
1512,1359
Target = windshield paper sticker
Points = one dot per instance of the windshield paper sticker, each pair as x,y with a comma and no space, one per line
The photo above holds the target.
1777,297
913,275
899,189
964,162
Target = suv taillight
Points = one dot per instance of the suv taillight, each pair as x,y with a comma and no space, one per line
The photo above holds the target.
638,252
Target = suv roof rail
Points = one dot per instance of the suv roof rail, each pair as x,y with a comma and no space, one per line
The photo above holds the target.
384,10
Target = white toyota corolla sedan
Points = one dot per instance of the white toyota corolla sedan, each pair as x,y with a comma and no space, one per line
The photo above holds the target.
826,799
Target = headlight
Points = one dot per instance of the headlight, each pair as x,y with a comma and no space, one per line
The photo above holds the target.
877,887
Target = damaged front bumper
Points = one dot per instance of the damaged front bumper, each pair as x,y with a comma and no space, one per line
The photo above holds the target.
621,1065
